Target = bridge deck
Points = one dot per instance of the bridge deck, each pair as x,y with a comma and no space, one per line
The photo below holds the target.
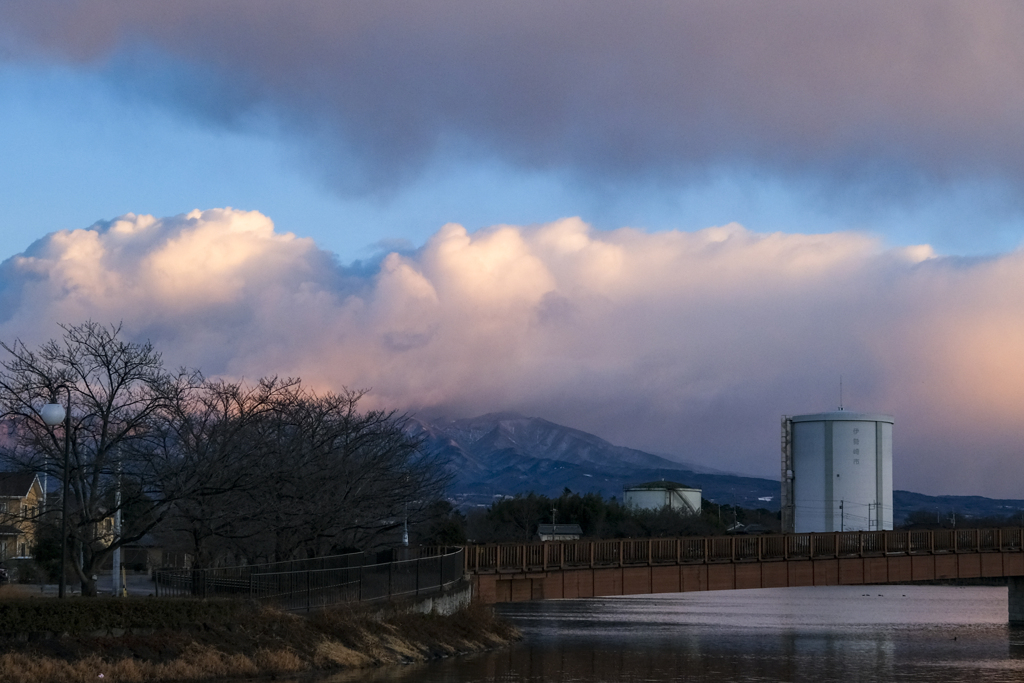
579,569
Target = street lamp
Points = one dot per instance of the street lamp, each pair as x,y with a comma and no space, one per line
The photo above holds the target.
53,414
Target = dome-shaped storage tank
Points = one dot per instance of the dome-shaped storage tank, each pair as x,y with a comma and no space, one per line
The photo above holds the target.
837,472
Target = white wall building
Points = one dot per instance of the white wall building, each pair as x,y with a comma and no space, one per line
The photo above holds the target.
559,532
655,495
837,472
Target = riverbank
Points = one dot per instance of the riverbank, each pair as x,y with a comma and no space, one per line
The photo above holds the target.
257,642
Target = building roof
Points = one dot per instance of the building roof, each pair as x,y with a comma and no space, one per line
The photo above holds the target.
661,485
844,416
16,484
559,529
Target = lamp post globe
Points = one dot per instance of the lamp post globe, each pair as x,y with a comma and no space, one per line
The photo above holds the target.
52,414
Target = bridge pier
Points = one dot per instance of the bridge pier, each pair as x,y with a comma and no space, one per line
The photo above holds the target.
1015,599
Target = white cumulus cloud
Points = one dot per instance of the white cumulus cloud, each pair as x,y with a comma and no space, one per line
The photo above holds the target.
691,343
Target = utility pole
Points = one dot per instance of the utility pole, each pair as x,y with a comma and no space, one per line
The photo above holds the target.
842,517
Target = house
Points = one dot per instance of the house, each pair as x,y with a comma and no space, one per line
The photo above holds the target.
21,502
655,495
559,532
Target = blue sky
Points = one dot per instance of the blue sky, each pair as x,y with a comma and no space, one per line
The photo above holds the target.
750,179
80,147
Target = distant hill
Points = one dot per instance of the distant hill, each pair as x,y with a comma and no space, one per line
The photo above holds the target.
501,454
966,507
507,453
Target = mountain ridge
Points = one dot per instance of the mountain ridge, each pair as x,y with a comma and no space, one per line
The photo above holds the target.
505,453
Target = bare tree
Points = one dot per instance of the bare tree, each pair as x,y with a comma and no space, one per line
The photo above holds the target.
313,476
354,478
266,472
221,438
120,398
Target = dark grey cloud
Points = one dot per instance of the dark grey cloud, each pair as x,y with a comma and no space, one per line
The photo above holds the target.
870,92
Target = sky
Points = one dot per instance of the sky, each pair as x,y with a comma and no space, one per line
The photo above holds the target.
666,223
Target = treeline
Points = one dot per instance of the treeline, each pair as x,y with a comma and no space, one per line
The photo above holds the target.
516,518
951,519
226,471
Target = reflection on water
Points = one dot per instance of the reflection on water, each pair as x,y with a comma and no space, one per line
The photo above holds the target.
861,633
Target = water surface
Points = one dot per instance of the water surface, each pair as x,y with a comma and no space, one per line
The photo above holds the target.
850,633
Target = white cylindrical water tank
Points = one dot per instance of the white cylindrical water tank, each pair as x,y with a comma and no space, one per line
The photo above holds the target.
841,471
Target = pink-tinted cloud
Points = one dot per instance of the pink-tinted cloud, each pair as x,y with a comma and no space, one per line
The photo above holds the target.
877,92
685,343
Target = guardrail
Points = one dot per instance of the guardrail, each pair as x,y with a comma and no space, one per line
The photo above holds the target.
524,557
320,582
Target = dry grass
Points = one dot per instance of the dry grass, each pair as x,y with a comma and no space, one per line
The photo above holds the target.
334,655
200,663
268,643
278,661
19,590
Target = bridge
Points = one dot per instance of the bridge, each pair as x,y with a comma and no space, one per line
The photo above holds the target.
586,569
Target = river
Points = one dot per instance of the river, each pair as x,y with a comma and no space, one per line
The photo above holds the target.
846,633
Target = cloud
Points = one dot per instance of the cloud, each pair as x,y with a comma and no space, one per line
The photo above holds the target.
677,342
871,94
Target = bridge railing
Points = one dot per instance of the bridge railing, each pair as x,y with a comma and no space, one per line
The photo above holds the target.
522,557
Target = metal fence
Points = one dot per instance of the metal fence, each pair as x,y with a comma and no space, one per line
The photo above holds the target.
320,582
523,557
